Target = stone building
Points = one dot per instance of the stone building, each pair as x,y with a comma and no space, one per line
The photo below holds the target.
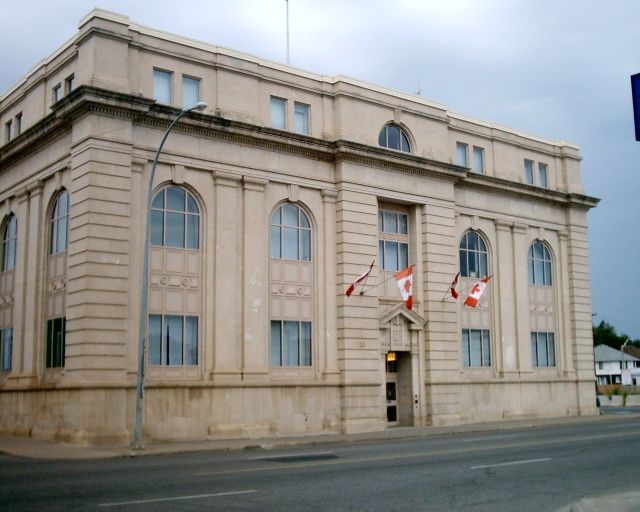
265,207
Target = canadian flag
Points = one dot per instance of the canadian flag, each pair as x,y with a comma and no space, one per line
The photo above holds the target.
404,278
454,283
476,292
352,287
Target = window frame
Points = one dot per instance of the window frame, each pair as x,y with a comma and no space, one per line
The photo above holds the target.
543,175
480,255
6,348
55,220
279,230
393,232
477,150
529,171
154,92
167,213
187,79
462,154
304,128
8,244
281,104
549,344
403,138
484,349
535,262
56,91
187,347
55,349
283,347
69,83
8,130
18,120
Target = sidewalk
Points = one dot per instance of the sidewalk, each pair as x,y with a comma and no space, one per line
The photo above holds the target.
43,449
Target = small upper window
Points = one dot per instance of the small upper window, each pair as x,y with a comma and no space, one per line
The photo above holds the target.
162,86
59,232
56,93
462,151
175,219
190,91
290,234
393,240
540,264
18,123
301,118
528,171
278,111
394,137
8,247
473,256
477,165
7,131
69,84
542,175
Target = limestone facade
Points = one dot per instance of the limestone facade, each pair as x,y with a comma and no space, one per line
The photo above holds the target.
256,233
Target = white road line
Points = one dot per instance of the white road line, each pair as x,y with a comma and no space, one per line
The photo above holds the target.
291,456
176,498
492,438
513,463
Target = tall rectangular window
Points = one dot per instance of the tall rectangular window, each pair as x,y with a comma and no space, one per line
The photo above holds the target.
162,86
543,349
477,165
18,123
542,175
290,343
56,93
7,130
278,113
69,84
190,91
6,338
528,171
301,118
461,154
476,348
55,342
393,243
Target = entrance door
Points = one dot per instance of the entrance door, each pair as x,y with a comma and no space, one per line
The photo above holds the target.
392,389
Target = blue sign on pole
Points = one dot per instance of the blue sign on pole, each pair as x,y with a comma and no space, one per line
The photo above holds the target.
635,92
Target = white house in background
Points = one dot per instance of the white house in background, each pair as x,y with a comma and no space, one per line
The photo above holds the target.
614,366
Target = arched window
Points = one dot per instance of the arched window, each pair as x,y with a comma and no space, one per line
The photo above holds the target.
540,264
174,277
291,280
59,232
290,234
175,219
473,256
8,248
393,137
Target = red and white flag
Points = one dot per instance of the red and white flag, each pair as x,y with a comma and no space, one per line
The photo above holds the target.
476,292
352,287
404,278
454,283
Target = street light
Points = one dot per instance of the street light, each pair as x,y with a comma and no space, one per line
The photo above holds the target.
136,442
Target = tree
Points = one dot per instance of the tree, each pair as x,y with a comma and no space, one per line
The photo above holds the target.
605,334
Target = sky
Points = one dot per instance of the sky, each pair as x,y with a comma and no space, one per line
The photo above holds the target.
558,69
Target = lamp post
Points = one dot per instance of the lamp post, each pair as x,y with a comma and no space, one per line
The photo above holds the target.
136,442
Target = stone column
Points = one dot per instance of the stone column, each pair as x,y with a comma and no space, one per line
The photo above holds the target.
521,280
329,307
507,336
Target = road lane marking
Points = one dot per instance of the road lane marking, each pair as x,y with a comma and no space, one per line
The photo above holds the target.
413,455
492,438
292,456
512,463
176,498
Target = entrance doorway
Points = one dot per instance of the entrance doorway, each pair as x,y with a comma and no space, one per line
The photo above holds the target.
398,389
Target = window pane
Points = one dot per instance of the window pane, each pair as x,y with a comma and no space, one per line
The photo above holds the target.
402,224
464,269
382,138
381,254
5,348
174,237
162,86
473,264
461,154
406,147
61,234
403,256
192,206
528,172
538,272
274,242
158,200
304,220
551,349
190,91
173,339
531,270
176,199
290,215
547,273
534,349
276,218
486,348
154,343
193,241
290,355
393,137
475,348
390,255
290,243
465,347
63,204
484,271
305,344
390,222
472,241
542,349
478,159
278,113
276,328
191,340
305,245
156,227
538,250
380,221
301,118
542,175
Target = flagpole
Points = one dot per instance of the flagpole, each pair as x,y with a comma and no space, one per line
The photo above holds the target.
464,292
287,1
365,279
379,284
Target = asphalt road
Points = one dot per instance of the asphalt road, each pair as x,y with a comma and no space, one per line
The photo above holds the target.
528,469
